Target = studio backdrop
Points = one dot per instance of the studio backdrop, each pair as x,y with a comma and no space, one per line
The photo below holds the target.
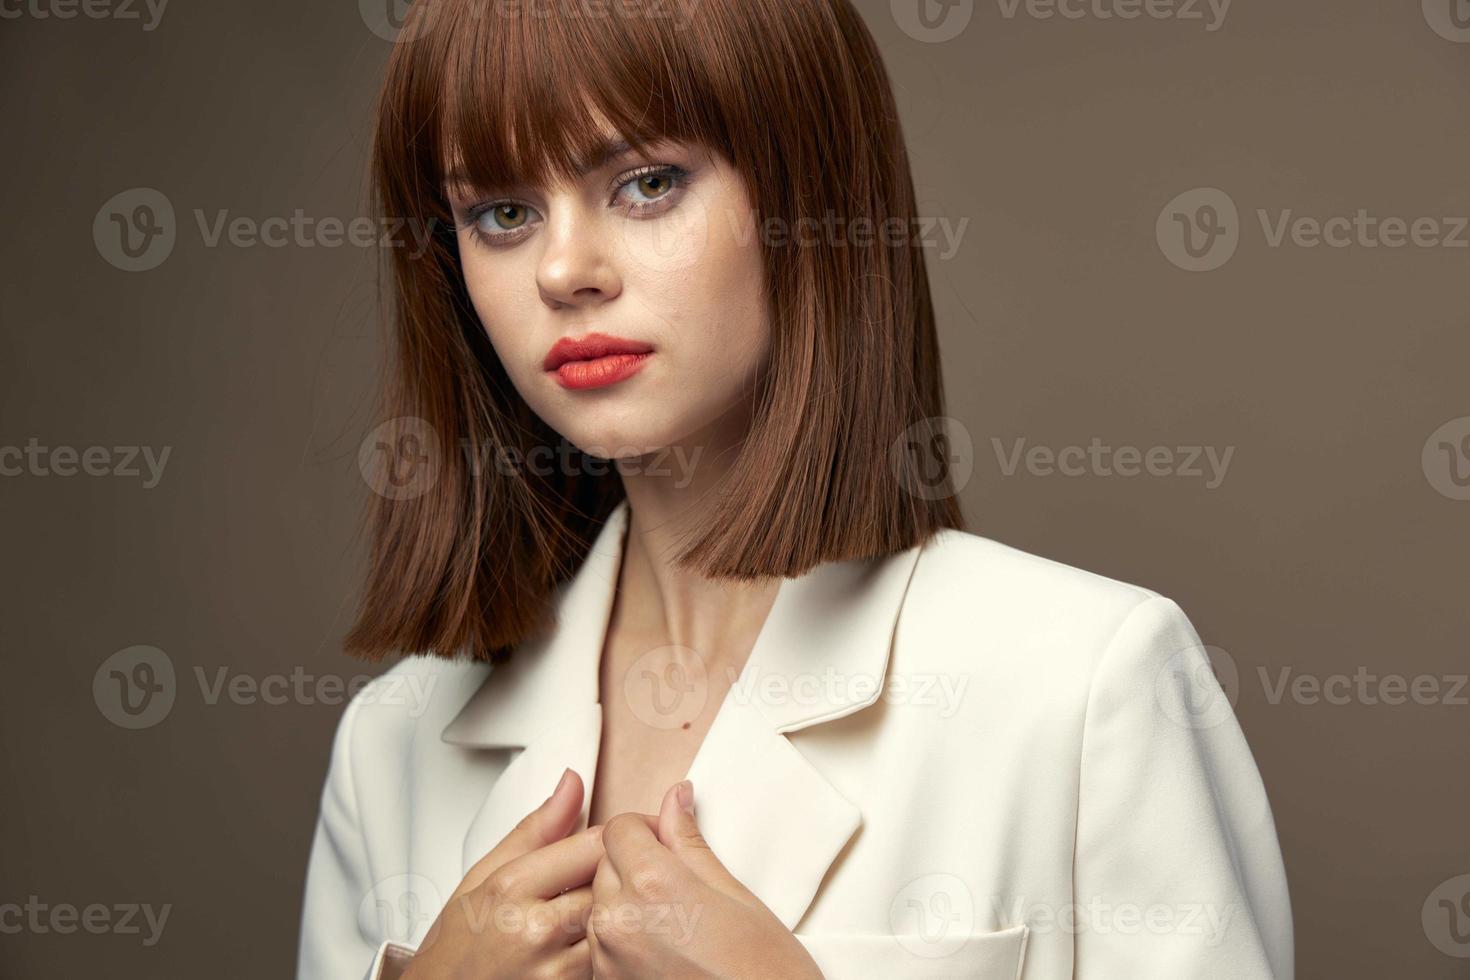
1200,270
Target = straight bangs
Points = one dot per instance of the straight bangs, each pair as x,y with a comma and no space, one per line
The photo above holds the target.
528,97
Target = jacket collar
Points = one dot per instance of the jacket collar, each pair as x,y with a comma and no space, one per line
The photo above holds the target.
774,820
838,620
554,676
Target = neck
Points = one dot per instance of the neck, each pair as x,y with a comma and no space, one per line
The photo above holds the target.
670,496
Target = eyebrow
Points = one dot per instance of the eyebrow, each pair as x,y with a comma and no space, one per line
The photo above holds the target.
603,153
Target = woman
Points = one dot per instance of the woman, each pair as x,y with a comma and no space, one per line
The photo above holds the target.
708,682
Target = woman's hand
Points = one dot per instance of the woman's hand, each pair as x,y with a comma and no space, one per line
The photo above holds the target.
522,909
664,906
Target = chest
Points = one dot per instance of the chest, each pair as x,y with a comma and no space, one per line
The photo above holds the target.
658,706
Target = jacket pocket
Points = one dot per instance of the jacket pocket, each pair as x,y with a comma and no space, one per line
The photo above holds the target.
979,956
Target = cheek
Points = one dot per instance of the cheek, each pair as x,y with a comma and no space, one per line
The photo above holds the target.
714,309
504,295
736,288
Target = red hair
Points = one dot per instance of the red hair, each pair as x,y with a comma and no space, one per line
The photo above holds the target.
794,95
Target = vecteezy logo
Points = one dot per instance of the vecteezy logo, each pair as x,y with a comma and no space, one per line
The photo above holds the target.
1450,19
401,458
400,909
932,21
134,688
933,458
135,230
667,687
389,19
933,916
1446,917
1446,459
1199,230
1198,687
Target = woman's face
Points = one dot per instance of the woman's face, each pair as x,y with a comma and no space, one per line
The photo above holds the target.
628,306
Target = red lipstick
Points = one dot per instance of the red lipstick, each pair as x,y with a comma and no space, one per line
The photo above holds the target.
595,361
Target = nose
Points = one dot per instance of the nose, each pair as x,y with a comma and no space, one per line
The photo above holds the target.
577,268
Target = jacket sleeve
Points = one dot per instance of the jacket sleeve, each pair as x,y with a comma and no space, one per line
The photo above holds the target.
334,943
1177,870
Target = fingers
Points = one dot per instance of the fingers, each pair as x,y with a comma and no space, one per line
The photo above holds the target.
549,822
678,830
605,882
548,871
552,819
676,823
546,939
630,841
574,961
572,910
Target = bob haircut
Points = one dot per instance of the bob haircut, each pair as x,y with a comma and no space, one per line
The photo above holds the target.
794,95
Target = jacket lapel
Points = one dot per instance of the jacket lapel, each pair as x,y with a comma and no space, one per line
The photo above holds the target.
543,701
773,819
768,814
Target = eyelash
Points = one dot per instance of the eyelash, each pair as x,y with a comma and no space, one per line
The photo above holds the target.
676,175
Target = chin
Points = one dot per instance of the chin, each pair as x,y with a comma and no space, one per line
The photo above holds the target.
616,438
625,423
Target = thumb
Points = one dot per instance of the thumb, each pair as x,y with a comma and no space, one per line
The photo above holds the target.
678,830
556,815
548,823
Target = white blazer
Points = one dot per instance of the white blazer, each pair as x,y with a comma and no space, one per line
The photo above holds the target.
1047,783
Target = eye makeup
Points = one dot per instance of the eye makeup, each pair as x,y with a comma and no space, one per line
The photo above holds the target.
641,193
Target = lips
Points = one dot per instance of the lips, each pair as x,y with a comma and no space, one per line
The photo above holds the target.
595,361
591,348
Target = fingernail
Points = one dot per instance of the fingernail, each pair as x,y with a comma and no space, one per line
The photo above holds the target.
561,784
685,792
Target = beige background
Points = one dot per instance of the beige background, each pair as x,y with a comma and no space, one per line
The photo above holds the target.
1328,549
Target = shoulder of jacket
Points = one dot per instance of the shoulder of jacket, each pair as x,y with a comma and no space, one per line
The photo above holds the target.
985,596
984,562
